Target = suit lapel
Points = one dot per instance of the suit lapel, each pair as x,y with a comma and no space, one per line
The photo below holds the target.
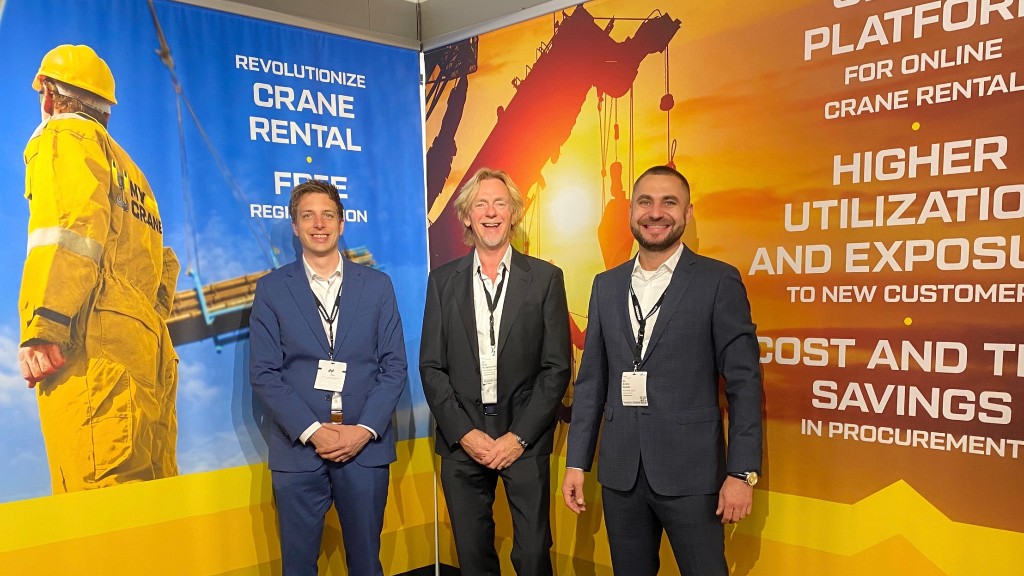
517,286
620,296
298,285
351,293
462,286
676,288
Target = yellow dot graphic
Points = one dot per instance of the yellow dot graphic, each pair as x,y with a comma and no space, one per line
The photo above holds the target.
915,126
908,320
309,159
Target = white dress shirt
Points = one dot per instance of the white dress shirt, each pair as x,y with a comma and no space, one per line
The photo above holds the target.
648,287
489,395
327,290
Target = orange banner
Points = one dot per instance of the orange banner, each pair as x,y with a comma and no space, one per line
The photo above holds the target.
861,164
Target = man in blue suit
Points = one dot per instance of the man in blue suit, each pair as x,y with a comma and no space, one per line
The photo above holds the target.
663,328
328,362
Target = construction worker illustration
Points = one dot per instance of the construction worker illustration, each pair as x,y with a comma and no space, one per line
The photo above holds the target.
97,288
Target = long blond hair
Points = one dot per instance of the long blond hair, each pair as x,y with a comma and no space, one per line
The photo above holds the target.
468,193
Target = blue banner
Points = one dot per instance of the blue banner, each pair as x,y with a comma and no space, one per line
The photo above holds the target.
223,114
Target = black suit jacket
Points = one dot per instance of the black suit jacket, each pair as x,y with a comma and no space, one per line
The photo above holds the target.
533,354
703,332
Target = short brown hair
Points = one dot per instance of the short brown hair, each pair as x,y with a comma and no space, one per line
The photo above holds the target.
663,171
68,104
469,190
314,187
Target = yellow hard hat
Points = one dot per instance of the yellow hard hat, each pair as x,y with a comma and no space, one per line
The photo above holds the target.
78,66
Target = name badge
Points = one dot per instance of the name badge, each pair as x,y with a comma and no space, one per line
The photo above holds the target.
634,388
489,379
330,376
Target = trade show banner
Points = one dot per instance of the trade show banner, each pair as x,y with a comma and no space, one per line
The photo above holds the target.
862,166
216,118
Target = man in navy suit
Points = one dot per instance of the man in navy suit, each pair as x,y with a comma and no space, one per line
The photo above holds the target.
328,362
495,362
662,329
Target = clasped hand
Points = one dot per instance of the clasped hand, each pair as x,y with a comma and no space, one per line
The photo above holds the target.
340,442
494,454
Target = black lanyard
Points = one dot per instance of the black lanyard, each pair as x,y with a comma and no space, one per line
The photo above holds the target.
329,319
492,303
641,320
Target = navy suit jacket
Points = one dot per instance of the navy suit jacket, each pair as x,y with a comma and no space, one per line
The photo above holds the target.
703,332
288,341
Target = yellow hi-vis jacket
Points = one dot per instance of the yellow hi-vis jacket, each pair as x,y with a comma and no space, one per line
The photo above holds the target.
99,282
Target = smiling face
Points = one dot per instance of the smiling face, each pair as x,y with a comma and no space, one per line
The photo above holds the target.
659,212
318,225
490,215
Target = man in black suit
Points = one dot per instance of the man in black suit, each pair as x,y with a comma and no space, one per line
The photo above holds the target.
662,329
495,363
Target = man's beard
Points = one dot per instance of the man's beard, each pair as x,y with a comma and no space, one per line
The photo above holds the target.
670,242
492,244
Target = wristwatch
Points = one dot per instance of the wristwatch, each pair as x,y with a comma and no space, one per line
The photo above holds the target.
749,477
522,442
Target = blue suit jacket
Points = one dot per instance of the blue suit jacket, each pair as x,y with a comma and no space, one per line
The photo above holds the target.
288,341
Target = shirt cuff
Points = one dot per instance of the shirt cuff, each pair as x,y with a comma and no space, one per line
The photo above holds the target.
309,432
574,468
370,429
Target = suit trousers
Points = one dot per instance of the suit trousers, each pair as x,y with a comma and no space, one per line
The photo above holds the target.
469,491
635,519
303,498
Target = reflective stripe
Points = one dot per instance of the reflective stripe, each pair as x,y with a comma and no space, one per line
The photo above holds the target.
55,235
53,316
